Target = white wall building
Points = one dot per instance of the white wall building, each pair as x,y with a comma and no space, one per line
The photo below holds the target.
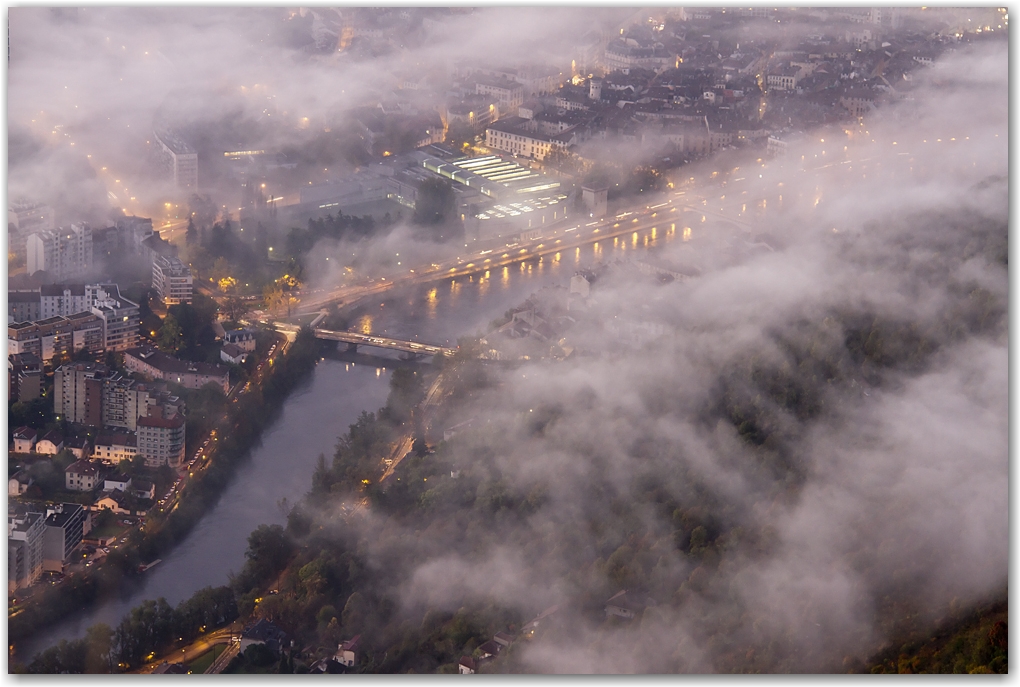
63,253
161,440
26,531
178,159
172,280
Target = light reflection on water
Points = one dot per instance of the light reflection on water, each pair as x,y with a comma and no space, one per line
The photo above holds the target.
466,307
431,313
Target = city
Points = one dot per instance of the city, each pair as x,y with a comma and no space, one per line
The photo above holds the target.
507,340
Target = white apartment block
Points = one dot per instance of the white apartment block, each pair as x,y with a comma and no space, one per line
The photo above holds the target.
120,316
63,253
178,158
507,136
25,535
172,280
509,94
115,448
161,440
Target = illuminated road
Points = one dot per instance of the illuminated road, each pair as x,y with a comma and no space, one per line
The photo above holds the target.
192,651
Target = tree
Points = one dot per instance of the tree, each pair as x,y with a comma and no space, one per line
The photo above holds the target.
203,209
235,307
406,390
220,269
353,615
191,235
170,335
460,135
273,295
322,477
146,629
99,648
269,550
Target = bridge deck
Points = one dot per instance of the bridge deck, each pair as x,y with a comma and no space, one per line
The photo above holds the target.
373,340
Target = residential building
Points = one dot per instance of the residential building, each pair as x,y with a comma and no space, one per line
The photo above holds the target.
512,136
473,110
627,54
24,306
26,217
155,246
62,253
26,529
783,78
179,160
117,480
172,280
119,315
347,652
231,353
858,102
158,365
503,639
488,650
778,144
626,604
82,475
78,447
124,401
509,94
242,338
65,527
19,482
51,444
56,336
63,300
144,489
161,440
115,447
117,501
133,231
24,376
467,665
24,439
102,300
78,392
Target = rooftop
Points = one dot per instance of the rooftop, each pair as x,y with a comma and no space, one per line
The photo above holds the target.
174,422
168,364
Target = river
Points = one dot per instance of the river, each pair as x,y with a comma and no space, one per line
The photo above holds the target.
314,417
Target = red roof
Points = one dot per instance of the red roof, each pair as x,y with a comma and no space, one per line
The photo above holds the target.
173,423
54,436
116,440
25,433
83,467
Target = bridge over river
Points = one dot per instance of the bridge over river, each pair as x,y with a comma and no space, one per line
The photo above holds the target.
355,339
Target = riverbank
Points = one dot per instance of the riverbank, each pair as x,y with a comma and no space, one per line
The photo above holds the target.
242,429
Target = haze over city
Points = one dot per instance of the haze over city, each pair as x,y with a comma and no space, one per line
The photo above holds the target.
507,340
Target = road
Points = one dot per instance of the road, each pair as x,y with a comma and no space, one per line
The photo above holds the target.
194,650
169,502
427,408
566,236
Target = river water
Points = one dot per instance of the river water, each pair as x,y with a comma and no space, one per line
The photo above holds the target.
314,417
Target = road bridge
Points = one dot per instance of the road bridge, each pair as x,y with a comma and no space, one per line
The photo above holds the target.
355,339
718,215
